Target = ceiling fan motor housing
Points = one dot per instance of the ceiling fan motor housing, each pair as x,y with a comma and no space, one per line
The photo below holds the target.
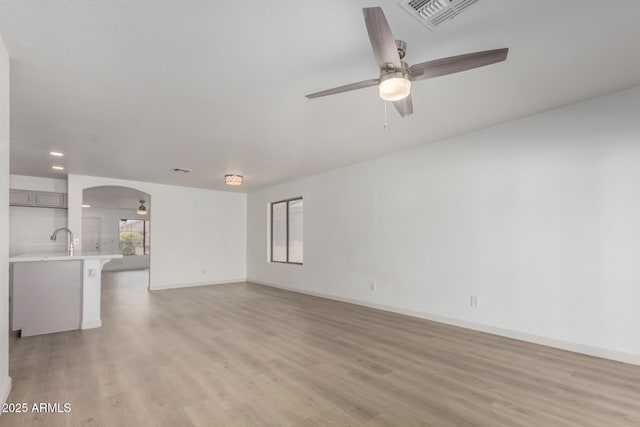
391,71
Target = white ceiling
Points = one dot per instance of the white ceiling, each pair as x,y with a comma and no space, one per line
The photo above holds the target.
132,89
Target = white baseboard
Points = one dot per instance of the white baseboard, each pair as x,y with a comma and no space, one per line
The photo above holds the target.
191,285
509,333
91,324
5,390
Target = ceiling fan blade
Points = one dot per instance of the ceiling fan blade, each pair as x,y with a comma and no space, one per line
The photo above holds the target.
345,88
404,106
381,37
455,64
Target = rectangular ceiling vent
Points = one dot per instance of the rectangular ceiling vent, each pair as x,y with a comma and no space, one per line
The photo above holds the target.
434,12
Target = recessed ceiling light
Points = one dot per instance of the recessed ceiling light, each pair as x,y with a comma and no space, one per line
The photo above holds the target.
86,206
58,168
56,153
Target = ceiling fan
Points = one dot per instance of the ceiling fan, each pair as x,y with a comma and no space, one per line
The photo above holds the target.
395,79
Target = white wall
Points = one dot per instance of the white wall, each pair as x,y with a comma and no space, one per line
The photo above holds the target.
539,218
5,380
198,236
30,228
34,183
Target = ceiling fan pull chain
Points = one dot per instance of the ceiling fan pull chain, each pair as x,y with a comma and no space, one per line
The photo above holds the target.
385,116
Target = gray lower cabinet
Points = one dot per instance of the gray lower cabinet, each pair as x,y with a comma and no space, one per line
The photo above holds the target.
46,296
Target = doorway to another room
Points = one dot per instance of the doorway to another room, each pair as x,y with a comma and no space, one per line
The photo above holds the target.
117,219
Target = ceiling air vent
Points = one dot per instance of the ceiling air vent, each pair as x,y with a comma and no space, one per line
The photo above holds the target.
434,12
182,170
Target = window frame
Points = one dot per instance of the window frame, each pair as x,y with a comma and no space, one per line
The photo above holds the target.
144,235
293,199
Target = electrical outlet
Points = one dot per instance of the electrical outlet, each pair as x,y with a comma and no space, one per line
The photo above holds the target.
76,241
475,301
36,239
373,285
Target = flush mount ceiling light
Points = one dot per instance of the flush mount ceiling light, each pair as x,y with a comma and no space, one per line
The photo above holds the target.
233,179
86,206
142,210
58,168
56,154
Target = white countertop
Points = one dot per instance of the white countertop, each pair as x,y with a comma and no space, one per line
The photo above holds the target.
62,256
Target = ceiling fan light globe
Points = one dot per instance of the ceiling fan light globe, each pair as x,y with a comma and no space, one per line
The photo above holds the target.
394,88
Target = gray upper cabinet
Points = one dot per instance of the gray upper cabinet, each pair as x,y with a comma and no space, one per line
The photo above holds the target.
38,199
21,198
51,200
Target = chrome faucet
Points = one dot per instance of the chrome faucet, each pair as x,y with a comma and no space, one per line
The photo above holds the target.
70,248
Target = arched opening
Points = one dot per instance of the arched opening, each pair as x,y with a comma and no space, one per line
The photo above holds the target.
117,219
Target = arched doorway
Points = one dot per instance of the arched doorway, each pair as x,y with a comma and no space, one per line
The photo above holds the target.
117,219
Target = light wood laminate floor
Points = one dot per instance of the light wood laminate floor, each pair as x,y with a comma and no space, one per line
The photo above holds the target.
245,355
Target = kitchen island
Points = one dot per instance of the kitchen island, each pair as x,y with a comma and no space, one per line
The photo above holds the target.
56,292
